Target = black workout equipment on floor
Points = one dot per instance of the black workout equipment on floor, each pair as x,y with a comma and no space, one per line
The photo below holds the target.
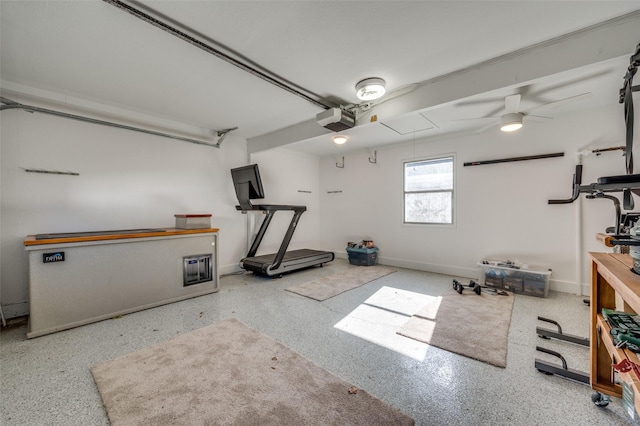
477,288
248,186
563,370
459,287
597,398
550,334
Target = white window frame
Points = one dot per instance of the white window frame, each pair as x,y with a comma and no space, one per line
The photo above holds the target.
452,190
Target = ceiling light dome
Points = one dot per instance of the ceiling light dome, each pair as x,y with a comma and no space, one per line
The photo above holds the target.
511,122
370,89
339,139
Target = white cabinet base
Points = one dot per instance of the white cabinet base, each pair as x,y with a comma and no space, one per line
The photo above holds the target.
99,280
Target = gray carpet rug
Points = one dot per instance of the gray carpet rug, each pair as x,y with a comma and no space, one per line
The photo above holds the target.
332,285
476,326
230,374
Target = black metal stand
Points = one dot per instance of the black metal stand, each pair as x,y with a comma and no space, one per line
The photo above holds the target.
563,371
550,334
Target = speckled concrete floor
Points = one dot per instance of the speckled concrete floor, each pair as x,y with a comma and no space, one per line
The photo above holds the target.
47,380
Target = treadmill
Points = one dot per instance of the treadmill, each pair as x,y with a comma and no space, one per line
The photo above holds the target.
248,186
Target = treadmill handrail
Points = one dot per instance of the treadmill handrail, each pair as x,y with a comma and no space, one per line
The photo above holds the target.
270,210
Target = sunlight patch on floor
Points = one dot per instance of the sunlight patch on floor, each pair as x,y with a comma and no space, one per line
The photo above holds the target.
379,317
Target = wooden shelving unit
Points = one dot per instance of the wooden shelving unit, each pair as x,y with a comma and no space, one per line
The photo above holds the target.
613,286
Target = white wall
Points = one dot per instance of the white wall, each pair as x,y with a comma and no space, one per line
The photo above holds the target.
131,180
501,210
126,180
290,177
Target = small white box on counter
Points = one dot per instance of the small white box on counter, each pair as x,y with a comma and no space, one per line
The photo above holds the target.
193,221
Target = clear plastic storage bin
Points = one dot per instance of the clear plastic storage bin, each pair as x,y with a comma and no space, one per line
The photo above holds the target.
525,279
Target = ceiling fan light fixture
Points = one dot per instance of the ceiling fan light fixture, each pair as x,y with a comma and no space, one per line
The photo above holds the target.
339,139
370,89
511,122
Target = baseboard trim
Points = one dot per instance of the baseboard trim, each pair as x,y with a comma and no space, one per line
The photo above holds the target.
229,269
470,273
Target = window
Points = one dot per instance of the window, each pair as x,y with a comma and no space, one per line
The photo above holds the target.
428,191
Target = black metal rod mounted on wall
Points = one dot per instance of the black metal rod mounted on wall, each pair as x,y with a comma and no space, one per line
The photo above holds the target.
512,159
51,172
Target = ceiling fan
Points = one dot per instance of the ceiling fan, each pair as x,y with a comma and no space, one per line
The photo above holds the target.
513,118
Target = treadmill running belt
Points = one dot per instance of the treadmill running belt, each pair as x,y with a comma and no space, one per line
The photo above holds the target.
293,260
288,256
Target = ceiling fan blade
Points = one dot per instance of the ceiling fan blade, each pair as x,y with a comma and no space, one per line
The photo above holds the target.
511,104
475,118
523,91
538,118
567,83
480,101
561,102
493,112
483,128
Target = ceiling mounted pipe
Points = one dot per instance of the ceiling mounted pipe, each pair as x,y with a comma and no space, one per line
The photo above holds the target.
9,104
209,49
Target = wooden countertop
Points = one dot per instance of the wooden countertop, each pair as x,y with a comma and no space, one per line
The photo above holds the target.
114,235
615,268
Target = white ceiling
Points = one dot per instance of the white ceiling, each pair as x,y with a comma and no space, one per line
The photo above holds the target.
455,53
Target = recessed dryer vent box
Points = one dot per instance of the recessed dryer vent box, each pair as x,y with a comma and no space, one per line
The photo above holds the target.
197,269
193,221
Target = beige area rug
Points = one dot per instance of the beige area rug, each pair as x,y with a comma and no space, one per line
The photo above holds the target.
230,374
476,326
327,287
